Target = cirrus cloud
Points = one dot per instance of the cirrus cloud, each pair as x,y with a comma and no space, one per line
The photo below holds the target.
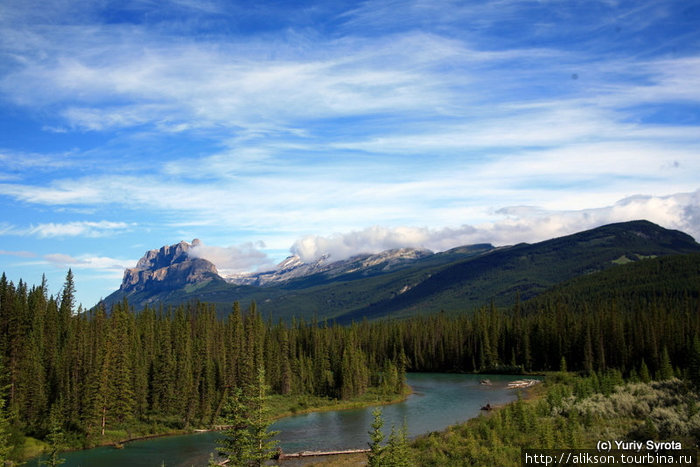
90,262
77,229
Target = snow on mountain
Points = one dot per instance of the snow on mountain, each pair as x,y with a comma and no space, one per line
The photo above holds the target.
293,267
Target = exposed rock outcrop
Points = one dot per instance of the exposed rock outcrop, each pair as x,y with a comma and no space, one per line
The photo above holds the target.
170,267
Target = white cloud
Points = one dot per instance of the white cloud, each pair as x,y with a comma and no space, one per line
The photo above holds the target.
233,259
20,254
89,262
516,224
77,229
69,229
272,196
369,240
151,79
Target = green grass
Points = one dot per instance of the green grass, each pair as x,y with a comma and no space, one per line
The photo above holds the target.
284,406
343,460
30,447
622,260
194,287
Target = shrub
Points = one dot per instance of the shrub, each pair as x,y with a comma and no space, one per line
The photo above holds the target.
669,422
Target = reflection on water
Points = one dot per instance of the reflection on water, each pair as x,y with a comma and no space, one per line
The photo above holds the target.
438,400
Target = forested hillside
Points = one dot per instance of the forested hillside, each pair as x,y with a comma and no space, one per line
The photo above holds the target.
527,270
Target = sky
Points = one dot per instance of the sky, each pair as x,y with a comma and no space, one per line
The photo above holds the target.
272,128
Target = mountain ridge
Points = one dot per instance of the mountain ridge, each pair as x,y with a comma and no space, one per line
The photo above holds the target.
293,267
408,281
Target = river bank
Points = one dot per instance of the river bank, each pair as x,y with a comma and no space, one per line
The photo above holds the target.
281,406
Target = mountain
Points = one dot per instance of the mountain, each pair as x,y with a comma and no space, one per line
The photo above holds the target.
161,272
526,270
399,282
294,269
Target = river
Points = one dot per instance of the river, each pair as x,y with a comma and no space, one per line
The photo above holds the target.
438,400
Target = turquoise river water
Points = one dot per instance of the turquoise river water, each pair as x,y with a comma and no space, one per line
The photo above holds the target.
438,400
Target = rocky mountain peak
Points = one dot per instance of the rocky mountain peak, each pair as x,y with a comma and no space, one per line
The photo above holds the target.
168,267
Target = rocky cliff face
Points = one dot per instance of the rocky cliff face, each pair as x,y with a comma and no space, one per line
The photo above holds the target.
170,267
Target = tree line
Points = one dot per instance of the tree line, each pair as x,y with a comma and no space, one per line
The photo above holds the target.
98,370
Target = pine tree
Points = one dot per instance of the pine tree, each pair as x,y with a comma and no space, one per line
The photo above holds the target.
5,446
186,395
390,378
376,436
644,372
588,351
55,440
285,365
694,362
247,439
396,452
236,443
68,296
263,445
121,366
665,369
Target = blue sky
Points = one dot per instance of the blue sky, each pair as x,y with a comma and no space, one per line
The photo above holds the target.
335,127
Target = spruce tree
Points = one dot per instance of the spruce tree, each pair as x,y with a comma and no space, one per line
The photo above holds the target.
5,446
68,296
644,372
121,367
694,362
396,451
236,444
263,445
247,439
666,369
55,440
376,436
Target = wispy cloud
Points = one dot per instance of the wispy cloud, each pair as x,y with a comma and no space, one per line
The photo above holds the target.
78,229
19,254
89,262
14,164
267,193
69,229
200,85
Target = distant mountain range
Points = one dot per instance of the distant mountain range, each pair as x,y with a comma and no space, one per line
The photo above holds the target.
293,267
398,282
